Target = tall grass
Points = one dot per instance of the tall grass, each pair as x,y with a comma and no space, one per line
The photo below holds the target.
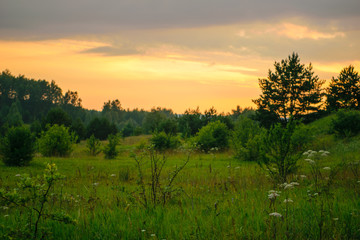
221,198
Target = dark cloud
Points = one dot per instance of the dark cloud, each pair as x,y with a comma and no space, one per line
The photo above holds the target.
113,51
38,19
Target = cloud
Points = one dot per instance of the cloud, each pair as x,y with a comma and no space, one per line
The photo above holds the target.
113,51
297,32
39,19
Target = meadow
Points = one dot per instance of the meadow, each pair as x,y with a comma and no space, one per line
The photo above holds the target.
213,196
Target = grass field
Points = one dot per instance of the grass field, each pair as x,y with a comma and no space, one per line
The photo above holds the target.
213,197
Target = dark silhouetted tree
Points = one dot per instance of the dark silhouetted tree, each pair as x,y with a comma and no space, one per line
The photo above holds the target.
344,91
291,90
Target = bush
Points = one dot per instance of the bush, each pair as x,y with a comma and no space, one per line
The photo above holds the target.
110,149
56,141
162,141
101,128
279,151
93,145
17,147
245,139
213,135
346,123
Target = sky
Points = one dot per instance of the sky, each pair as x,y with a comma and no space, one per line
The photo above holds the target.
170,53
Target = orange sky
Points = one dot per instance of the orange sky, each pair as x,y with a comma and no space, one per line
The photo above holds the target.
177,66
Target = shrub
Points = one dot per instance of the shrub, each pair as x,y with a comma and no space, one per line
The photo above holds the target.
17,147
162,141
346,123
245,138
110,149
93,145
56,141
213,135
57,116
101,128
279,151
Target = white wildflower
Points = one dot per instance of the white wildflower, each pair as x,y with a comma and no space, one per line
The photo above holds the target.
295,183
273,194
5,207
302,176
113,175
335,219
153,235
310,161
143,230
95,184
321,151
6,215
327,168
289,200
275,214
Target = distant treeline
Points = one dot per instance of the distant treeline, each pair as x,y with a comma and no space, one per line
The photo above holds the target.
39,103
291,90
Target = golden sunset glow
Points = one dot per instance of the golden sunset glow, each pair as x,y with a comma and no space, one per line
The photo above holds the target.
169,59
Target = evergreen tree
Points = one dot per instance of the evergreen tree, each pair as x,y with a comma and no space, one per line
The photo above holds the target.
291,90
344,91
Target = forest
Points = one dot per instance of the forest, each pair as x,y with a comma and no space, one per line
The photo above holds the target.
287,169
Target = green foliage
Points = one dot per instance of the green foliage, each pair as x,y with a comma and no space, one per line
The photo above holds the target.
162,141
213,135
14,117
31,197
190,122
291,90
35,128
57,116
101,128
79,128
344,91
56,141
17,147
279,151
153,119
110,149
93,146
346,123
245,139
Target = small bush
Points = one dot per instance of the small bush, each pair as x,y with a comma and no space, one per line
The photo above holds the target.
162,141
279,151
93,145
245,139
213,135
17,147
56,141
346,123
110,149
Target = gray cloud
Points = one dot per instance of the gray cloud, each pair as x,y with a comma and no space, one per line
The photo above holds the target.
113,51
43,19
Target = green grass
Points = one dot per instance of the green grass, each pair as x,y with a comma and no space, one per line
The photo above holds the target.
218,198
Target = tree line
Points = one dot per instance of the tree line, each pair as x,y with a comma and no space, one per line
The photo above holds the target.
291,89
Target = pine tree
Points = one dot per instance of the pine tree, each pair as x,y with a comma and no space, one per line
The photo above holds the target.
344,91
291,90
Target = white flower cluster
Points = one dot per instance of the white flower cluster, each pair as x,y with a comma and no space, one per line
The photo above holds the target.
289,185
273,194
275,214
